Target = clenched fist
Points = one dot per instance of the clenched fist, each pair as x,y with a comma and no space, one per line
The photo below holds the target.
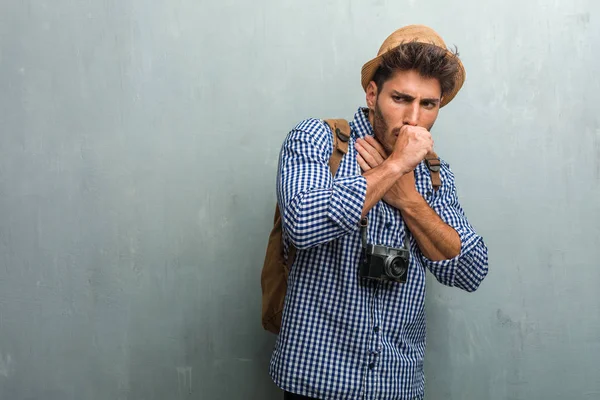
412,145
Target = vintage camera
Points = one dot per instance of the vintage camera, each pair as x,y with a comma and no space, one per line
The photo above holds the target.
383,262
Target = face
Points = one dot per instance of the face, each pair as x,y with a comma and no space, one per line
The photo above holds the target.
406,98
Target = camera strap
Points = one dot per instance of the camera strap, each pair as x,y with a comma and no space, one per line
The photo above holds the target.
364,222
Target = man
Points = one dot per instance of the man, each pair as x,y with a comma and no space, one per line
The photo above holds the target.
344,336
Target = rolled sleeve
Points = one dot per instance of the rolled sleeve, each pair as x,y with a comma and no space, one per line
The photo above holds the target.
468,269
316,207
347,200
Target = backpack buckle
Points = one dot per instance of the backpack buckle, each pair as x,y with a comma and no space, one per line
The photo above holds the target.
433,164
341,135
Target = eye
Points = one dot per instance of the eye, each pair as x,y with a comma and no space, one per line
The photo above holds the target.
429,105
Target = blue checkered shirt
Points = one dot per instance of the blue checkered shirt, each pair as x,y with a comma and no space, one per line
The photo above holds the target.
342,336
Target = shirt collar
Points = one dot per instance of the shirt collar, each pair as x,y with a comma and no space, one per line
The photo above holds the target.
361,126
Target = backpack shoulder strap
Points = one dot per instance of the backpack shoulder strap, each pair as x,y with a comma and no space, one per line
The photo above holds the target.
341,135
433,163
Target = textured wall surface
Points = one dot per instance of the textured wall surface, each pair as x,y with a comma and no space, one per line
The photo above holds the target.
138,148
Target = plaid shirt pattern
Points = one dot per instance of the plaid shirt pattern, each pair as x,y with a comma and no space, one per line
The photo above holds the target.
342,336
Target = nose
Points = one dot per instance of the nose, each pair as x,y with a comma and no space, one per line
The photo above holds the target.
411,115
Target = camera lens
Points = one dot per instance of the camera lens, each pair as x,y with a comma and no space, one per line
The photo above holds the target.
395,267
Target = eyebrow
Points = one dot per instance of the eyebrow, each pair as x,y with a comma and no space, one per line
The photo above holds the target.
408,97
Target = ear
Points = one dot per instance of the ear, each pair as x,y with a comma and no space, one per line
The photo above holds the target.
371,95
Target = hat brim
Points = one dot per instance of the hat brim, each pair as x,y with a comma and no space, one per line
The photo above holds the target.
368,71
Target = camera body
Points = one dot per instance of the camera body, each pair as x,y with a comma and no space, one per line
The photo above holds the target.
384,263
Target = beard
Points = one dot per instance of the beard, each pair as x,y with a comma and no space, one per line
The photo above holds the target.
381,131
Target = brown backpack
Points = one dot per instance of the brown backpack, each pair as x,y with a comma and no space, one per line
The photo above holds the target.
274,275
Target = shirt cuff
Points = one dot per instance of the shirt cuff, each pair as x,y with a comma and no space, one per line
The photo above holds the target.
459,271
347,201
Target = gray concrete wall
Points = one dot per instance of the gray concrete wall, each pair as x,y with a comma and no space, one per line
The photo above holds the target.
138,147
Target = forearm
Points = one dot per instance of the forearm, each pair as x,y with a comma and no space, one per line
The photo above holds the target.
449,246
379,181
436,239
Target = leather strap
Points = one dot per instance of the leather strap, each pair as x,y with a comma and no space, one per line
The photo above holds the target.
341,135
433,163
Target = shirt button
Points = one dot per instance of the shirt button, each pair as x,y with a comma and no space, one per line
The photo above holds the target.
372,366
388,225
429,193
376,329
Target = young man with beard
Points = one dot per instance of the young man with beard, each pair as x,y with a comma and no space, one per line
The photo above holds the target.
344,336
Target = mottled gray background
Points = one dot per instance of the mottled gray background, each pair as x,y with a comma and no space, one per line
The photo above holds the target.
138,148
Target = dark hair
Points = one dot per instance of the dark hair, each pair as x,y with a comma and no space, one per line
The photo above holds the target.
428,60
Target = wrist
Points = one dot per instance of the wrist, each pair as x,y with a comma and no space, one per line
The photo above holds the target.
411,202
396,166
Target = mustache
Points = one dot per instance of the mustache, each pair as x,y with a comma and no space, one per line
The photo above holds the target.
396,131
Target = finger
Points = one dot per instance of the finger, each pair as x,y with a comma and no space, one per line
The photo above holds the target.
426,140
425,134
374,153
375,143
404,129
427,148
430,145
363,164
366,155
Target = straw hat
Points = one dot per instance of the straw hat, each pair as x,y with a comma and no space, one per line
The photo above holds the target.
413,33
